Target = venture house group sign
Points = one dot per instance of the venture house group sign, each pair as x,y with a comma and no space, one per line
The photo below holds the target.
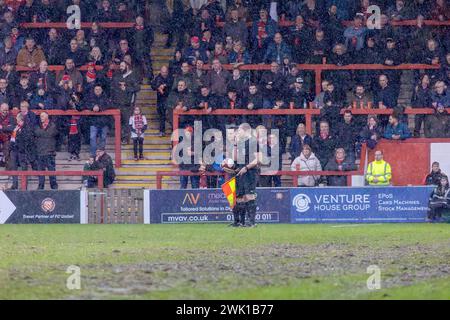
369,204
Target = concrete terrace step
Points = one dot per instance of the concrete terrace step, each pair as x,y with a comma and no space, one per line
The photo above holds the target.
131,185
147,171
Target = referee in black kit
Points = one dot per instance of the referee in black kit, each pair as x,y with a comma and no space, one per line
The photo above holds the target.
246,158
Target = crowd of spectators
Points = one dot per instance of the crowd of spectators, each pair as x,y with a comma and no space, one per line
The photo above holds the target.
115,61
256,32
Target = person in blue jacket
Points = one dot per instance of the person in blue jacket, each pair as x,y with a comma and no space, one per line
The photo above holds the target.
277,50
396,130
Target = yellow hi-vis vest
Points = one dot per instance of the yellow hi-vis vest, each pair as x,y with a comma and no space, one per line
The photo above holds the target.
380,170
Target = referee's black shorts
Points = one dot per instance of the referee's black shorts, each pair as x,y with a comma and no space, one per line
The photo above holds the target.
246,184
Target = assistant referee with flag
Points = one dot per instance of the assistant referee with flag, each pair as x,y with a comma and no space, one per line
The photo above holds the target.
246,157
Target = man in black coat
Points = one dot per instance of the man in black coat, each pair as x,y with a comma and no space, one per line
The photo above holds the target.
340,162
435,175
43,77
53,47
207,101
22,149
324,144
272,84
45,135
99,125
141,38
6,93
390,56
179,99
384,98
367,55
437,125
347,131
253,100
30,118
103,161
162,84
125,86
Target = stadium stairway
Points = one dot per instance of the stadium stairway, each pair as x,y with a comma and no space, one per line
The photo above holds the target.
137,174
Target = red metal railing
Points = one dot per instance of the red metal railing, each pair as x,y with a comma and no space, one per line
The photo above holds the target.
24,174
347,23
84,25
58,68
316,68
319,68
115,113
293,174
308,113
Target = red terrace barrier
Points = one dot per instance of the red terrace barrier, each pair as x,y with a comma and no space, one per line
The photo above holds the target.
316,68
307,112
347,23
24,174
59,68
115,113
84,25
319,68
293,174
408,110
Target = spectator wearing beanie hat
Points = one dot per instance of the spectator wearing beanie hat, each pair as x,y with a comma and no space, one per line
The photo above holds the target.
195,51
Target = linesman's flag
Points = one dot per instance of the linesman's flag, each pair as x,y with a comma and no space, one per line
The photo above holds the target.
229,189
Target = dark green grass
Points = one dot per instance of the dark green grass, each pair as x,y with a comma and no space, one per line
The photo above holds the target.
216,262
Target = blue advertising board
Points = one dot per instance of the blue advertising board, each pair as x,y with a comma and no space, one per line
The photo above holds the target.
211,206
37,207
359,205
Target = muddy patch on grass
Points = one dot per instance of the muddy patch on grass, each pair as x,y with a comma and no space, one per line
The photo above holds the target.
270,265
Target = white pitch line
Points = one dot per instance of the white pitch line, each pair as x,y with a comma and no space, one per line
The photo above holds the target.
356,225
